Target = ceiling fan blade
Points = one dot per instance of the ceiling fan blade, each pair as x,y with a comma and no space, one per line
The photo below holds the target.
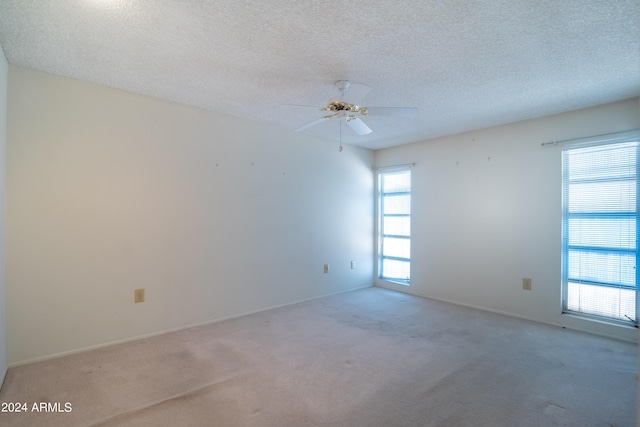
358,126
313,123
356,93
392,111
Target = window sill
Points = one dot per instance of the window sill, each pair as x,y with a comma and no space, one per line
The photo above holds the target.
395,282
600,320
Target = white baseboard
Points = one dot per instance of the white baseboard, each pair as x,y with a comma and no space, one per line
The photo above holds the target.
167,331
567,325
3,374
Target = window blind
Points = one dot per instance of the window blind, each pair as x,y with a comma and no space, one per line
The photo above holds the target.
599,222
395,225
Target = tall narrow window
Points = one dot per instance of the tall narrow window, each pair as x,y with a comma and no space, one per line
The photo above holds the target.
395,226
599,223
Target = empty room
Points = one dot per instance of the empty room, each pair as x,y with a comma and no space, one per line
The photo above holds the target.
280,213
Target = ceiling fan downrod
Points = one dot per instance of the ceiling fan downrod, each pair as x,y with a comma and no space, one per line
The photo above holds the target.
343,86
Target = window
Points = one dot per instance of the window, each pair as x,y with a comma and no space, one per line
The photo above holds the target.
599,222
394,241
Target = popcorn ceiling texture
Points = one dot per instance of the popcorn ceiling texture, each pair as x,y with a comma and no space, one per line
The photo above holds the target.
464,64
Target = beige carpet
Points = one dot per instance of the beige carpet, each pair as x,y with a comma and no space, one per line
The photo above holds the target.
365,358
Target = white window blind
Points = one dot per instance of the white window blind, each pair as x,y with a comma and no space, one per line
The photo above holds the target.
599,222
395,226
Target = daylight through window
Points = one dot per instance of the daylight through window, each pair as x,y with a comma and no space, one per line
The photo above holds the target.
395,226
599,223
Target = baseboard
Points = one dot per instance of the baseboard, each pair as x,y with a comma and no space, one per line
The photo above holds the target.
3,375
168,331
506,313
548,323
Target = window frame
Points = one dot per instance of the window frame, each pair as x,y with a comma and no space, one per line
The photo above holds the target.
599,141
381,235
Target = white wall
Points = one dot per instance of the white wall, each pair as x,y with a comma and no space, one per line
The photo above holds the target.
3,134
487,213
109,191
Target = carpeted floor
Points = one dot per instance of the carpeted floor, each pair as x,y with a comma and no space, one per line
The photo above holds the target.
365,358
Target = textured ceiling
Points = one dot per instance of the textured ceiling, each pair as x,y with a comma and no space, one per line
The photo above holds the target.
464,64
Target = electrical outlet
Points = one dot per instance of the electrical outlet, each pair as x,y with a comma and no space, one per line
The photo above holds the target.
353,265
138,295
326,268
526,284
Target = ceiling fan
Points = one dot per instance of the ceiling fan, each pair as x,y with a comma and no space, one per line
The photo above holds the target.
346,107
